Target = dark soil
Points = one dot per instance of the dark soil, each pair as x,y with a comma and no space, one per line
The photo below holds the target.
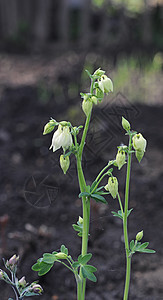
42,203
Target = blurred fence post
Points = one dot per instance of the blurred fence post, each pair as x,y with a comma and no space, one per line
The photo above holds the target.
42,20
85,30
146,28
8,17
63,22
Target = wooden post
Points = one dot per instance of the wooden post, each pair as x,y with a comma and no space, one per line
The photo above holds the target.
42,19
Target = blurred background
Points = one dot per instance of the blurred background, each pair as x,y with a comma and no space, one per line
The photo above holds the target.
45,48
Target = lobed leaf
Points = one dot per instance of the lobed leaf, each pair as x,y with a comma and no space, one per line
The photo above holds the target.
84,259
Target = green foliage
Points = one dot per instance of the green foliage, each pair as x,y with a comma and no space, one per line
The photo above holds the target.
119,213
136,246
95,193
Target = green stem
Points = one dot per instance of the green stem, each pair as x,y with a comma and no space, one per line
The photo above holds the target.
120,204
128,259
85,201
102,171
105,174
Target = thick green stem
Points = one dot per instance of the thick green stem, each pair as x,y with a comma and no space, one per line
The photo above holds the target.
85,201
128,259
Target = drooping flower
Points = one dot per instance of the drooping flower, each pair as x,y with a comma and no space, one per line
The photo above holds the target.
112,186
139,144
105,84
61,138
120,159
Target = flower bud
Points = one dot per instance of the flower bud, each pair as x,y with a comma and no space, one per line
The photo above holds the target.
49,126
22,282
139,236
61,255
1,274
139,144
87,106
4,276
94,100
112,186
125,124
120,159
64,163
12,262
36,288
139,155
99,72
105,84
80,220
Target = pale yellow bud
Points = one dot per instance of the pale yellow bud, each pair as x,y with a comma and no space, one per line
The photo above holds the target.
94,100
87,106
139,236
120,158
80,220
61,255
64,163
139,144
125,124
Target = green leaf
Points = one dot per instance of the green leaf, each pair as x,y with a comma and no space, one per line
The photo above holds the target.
141,246
88,189
79,258
90,268
88,73
132,244
84,194
147,251
93,185
100,188
49,258
76,227
75,265
44,268
36,267
98,198
84,259
64,249
29,294
87,274
117,215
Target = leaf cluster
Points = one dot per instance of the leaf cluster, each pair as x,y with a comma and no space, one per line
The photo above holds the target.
45,263
86,270
136,246
94,193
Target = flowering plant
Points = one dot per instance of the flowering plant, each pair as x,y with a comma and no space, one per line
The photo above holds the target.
66,137
20,287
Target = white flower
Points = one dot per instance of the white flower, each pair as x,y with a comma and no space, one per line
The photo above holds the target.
105,84
139,142
61,138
